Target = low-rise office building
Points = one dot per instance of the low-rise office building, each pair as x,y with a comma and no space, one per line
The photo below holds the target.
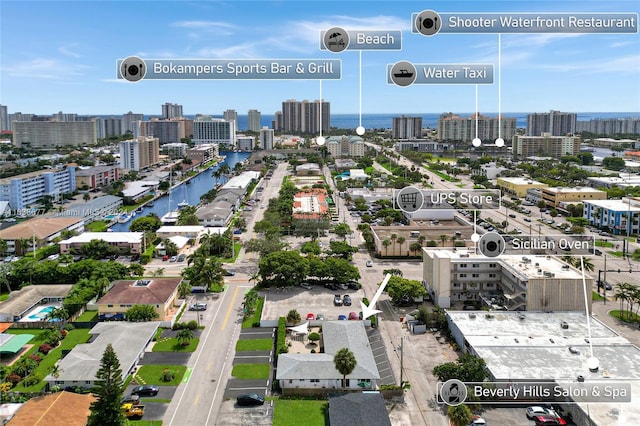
556,195
202,153
517,185
346,146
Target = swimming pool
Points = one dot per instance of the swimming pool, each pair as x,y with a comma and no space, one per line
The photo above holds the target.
39,313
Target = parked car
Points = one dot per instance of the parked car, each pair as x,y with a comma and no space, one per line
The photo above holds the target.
173,258
346,300
353,316
198,307
477,421
353,285
369,264
229,273
548,420
536,410
145,390
342,317
130,399
320,317
181,258
311,317
165,258
250,399
337,300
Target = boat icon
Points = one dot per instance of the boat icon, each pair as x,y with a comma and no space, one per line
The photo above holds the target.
403,74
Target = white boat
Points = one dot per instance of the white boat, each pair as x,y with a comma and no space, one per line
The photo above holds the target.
124,218
183,204
170,218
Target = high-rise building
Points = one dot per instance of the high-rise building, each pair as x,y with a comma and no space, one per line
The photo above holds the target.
254,119
167,131
406,127
266,138
136,154
452,127
207,130
609,126
128,120
277,122
245,143
4,118
231,115
171,111
305,116
50,134
113,127
61,116
554,122
18,116
545,146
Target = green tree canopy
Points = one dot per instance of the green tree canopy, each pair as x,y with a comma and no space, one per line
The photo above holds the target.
106,409
399,287
283,268
149,223
139,313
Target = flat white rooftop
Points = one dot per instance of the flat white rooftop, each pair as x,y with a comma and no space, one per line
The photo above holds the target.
615,205
110,237
520,181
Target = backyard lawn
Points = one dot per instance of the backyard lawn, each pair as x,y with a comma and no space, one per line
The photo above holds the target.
292,412
75,337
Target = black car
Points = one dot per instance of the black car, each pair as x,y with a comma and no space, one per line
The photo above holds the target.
229,273
346,300
353,285
250,399
145,390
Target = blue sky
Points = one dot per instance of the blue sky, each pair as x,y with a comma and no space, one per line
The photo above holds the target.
60,56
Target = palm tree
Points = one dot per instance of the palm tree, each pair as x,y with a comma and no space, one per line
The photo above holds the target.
60,315
184,289
293,317
394,237
622,293
386,244
421,240
158,272
460,415
345,363
184,336
401,241
414,247
443,238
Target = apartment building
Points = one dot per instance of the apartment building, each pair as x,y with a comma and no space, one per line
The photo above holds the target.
545,145
136,154
96,177
52,134
27,189
452,127
346,146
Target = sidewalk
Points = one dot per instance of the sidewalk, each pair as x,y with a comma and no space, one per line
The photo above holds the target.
600,311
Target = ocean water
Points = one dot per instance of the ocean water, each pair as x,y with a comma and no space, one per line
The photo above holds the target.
385,121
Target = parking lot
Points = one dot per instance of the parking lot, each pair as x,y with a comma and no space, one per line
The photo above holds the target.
315,301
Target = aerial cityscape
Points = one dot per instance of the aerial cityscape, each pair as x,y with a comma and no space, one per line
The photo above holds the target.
319,213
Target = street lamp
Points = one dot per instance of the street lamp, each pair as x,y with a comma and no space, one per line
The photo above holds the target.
626,242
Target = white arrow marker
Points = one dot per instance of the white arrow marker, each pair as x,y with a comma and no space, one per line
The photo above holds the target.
367,311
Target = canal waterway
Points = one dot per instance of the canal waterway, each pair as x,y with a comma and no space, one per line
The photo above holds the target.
190,193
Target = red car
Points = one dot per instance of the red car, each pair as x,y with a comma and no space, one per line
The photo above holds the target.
311,317
548,420
353,316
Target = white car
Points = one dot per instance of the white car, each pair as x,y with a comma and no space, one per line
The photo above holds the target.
535,411
477,421
369,264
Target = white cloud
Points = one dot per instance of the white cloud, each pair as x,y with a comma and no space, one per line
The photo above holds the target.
198,29
45,68
66,50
